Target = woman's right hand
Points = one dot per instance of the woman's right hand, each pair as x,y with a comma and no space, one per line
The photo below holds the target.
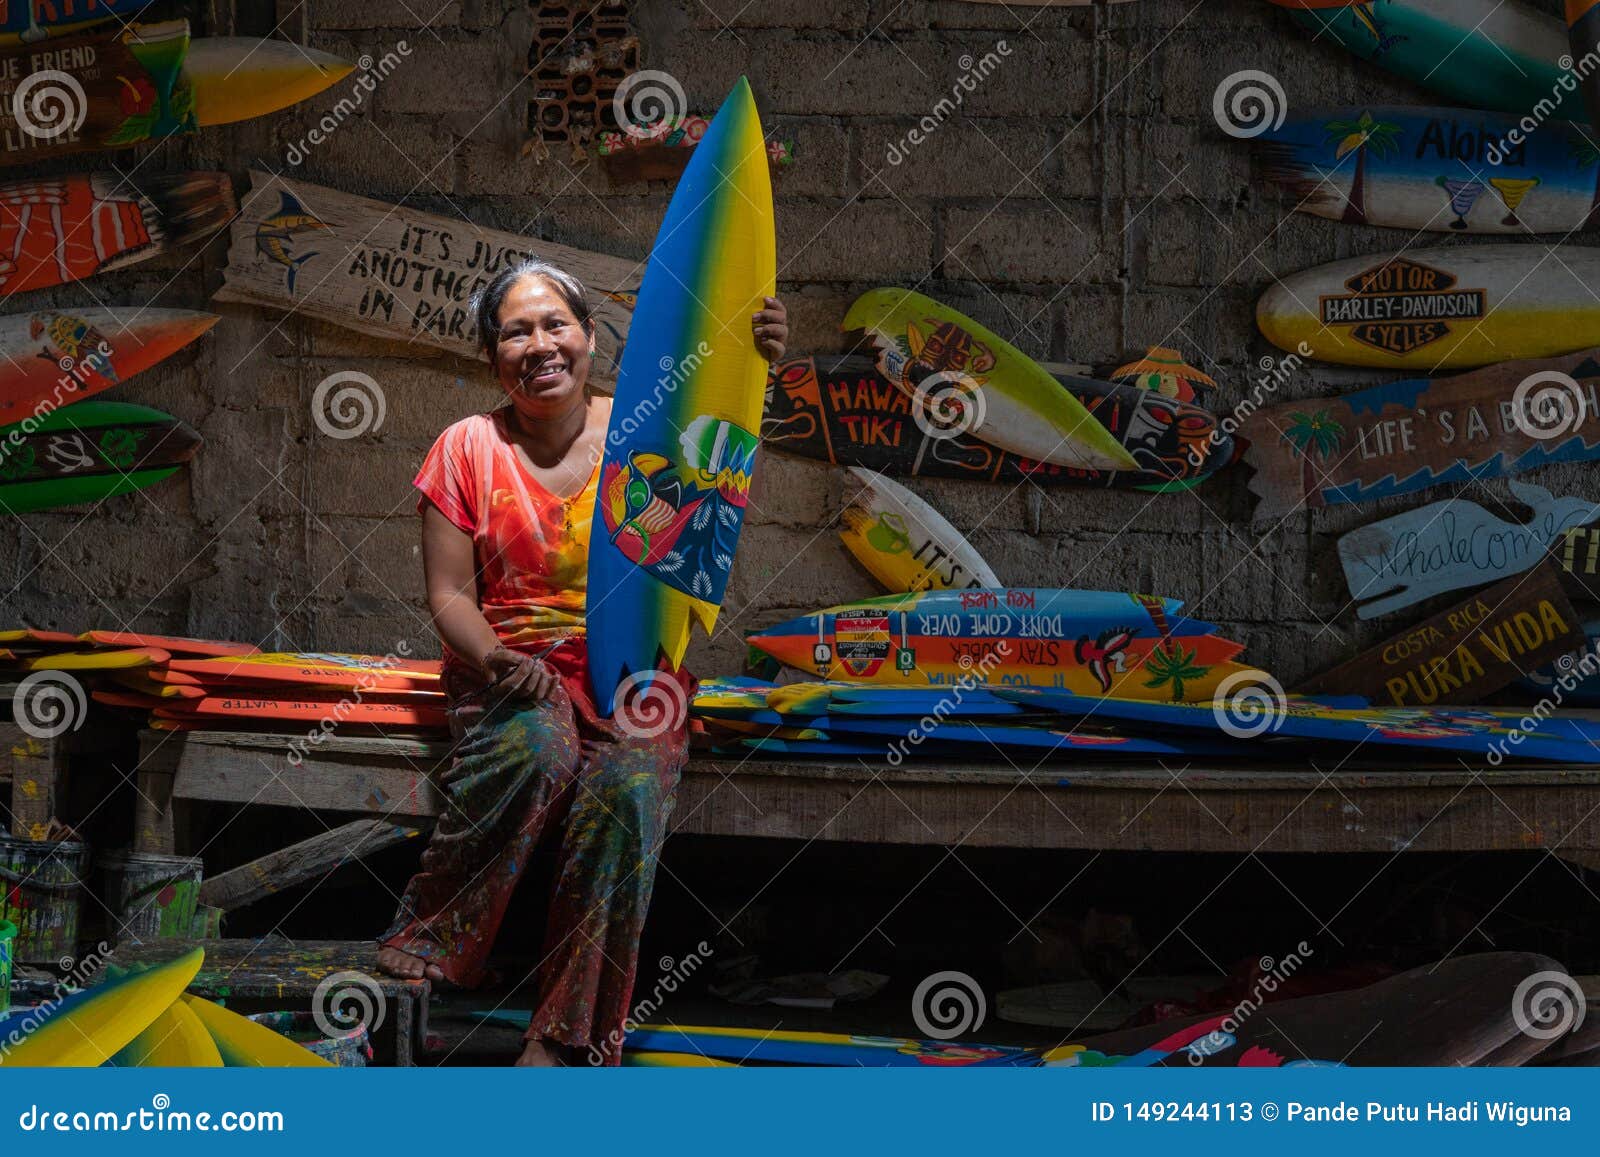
518,676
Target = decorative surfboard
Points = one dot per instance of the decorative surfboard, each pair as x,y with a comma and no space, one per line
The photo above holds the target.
52,358
177,645
1434,309
30,21
87,452
995,736
1093,643
89,1027
842,410
1451,545
1418,433
673,487
380,672
1164,371
962,377
396,272
1478,730
242,1043
32,637
175,1040
906,544
1444,170
103,660
54,230
111,87
1497,54
307,711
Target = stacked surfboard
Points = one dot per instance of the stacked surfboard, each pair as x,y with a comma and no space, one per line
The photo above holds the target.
204,684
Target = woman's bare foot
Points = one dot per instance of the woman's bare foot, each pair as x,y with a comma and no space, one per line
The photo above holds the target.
537,1054
393,962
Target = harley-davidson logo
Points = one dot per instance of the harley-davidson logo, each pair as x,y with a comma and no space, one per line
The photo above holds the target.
1401,306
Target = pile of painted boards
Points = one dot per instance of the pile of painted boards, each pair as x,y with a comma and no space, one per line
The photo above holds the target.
204,684
1027,675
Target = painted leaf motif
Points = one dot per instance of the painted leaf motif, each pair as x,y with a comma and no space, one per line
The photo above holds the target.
119,447
18,463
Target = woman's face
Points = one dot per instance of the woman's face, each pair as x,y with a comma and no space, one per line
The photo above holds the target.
542,358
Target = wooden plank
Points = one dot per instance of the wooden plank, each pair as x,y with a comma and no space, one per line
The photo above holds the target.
1452,545
1419,433
397,272
307,860
1467,651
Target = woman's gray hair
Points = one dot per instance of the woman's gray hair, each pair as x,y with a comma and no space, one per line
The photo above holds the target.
487,301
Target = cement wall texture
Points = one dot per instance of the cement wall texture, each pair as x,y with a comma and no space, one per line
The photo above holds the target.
1082,202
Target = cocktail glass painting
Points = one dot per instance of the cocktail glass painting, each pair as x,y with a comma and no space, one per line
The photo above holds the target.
942,534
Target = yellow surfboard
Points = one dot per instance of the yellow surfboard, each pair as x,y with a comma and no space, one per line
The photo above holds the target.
244,1044
92,1027
175,1040
133,657
236,78
1434,309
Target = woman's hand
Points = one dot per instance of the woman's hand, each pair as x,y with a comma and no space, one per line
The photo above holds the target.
517,676
772,329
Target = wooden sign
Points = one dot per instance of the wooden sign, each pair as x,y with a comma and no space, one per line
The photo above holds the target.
398,272
1578,556
101,89
1463,654
1451,545
1414,434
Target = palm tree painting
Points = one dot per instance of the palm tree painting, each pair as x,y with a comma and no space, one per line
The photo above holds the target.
1361,136
1172,664
1313,434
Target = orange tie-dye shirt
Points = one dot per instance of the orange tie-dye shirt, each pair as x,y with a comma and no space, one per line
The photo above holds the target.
531,548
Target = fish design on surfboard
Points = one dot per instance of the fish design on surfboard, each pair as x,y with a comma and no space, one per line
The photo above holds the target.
1439,169
677,472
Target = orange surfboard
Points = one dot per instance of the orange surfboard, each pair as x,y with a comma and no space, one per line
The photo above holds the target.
174,644
327,670
306,711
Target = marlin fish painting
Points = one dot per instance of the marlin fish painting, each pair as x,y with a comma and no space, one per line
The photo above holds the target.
276,234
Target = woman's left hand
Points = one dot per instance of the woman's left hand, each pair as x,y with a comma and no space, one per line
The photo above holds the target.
772,329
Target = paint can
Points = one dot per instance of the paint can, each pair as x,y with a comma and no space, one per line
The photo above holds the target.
151,896
40,892
207,923
8,936
351,1050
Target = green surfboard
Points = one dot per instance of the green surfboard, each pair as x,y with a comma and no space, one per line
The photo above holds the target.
88,452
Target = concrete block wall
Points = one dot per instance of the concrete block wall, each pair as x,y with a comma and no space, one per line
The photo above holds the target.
1083,204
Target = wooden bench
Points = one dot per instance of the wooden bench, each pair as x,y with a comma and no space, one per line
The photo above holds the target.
1197,806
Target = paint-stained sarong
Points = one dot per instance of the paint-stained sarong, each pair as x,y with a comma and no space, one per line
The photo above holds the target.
524,770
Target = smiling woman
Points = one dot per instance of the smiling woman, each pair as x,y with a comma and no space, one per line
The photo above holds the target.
507,500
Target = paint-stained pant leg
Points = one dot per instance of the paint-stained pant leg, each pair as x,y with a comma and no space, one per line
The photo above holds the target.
509,778
620,806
